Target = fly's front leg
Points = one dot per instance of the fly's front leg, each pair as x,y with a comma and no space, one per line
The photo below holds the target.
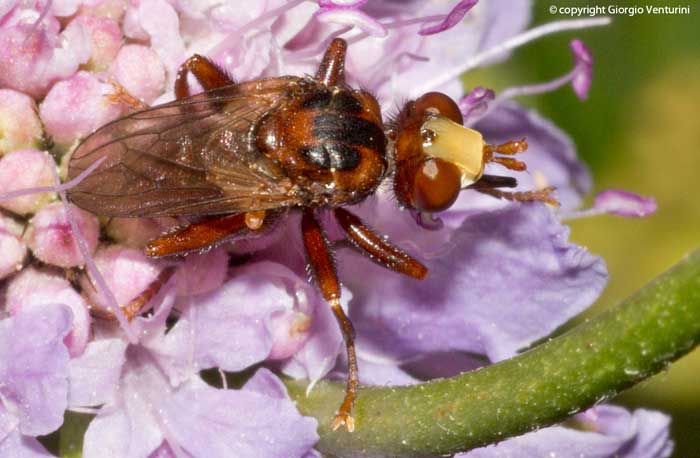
331,72
539,195
489,184
209,75
377,248
208,232
494,181
324,273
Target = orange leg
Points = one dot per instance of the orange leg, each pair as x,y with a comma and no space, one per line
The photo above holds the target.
331,72
136,306
377,248
207,233
323,271
209,75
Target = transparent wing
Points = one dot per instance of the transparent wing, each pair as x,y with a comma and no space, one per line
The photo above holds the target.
194,156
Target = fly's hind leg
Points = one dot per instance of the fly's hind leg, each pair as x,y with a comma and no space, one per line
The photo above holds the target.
137,305
324,273
209,75
208,232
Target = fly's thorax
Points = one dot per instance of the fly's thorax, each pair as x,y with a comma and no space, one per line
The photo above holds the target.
329,141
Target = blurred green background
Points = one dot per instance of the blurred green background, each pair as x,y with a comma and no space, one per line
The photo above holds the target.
639,130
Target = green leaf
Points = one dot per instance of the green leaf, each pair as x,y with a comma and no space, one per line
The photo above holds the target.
591,363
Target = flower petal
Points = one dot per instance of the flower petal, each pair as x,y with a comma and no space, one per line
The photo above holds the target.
51,238
266,383
139,70
16,445
34,366
357,18
475,103
202,272
75,107
233,325
22,169
551,155
624,203
127,271
105,38
12,247
94,375
28,57
612,431
36,288
503,280
19,122
117,434
208,422
132,425
172,351
488,24
320,352
583,60
341,3
161,23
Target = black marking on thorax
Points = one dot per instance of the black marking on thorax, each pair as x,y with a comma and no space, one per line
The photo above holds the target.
337,156
338,131
350,130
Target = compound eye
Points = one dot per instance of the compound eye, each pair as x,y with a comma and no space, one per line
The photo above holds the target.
436,185
437,103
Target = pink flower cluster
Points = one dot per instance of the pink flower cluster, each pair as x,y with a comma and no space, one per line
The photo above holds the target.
68,67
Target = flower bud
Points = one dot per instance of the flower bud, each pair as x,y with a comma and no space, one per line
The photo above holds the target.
51,239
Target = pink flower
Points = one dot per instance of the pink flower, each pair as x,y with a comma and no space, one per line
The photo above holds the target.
77,106
35,57
22,169
34,374
20,127
105,39
127,271
12,247
141,72
249,303
36,288
51,239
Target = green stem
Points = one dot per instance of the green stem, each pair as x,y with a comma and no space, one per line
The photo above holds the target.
591,363
72,434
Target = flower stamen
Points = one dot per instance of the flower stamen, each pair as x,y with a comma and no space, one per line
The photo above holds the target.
506,46
273,13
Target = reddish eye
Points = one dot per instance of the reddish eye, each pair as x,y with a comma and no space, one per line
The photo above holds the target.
439,103
436,185
435,155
